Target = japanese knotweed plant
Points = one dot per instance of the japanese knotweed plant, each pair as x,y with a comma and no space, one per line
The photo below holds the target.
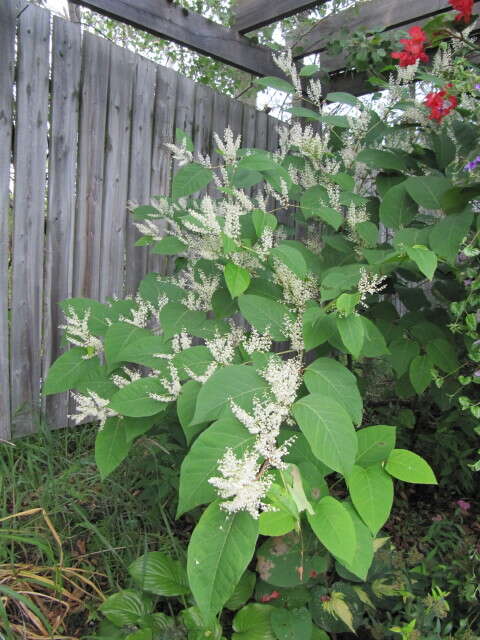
256,338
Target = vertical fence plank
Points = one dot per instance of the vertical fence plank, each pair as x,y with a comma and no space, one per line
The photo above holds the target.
202,129
164,131
62,171
7,62
235,117
114,218
93,113
29,216
140,166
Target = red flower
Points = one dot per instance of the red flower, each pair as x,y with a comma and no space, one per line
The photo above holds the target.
412,48
440,104
270,596
464,7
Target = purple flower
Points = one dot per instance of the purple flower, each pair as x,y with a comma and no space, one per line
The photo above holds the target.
470,166
477,86
464,505
477,374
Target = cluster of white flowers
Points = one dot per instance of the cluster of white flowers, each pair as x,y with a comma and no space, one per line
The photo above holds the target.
314,92
77,333
309,143
369,284
223,347
296,291
172,386
406,75
129,375
144,311
356,214
293,329
199,291
180,153
242,481
256,341
333,191
239,484
181,341
91,406
284,61
229,146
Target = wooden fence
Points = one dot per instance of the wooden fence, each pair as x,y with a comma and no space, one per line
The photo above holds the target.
82,130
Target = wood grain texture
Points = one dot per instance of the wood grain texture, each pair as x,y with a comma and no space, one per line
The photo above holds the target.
173,22
390,14
29,218
115,182
164,131
140,166
91,155
8,11
254,14
62,174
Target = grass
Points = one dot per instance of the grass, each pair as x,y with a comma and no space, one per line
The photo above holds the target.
101,526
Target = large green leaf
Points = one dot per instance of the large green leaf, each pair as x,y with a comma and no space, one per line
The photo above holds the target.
98,313
318,327
253,622
70,369
292,257
375,444
243,591
446,236
402,352
352,333
363,556
313,199
427,191
276,83
236,382
334,527
374,344
443,355
201,463
329,377
119,335
125,607
264,313
397,208
134,400
371,490
409,467
292,624
420,373
425,260
378,159
175,317
237,279
190,179
169,246
328,429
220,549
186,403
196,359
157,573
114,440
144,351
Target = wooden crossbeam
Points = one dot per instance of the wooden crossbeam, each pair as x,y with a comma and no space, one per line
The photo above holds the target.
167,20
392,14
254,14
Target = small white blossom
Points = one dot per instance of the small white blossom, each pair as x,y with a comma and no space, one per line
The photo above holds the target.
129,375
202,378
240,483
258,342
369,284
180,153
77,333
91,406
229,146
296,291
223,347
181,341
284,378
293,329
172,387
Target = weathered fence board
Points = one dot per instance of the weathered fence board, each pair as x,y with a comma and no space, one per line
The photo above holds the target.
62,173
91,122
29,216
93,118
140,166
115,181
7,60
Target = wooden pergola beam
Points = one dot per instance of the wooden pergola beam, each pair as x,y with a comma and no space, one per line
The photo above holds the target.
254,14
392,14
167,20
